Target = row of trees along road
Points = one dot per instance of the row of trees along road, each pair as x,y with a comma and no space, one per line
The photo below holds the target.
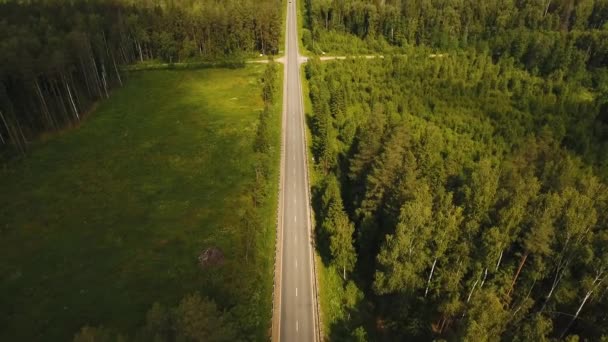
59,58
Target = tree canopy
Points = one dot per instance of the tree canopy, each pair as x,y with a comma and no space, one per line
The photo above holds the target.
475,178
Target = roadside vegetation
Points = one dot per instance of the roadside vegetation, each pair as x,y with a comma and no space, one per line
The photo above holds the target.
461,184
100,222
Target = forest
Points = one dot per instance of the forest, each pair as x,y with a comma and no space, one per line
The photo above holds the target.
529,31
58,58
462,180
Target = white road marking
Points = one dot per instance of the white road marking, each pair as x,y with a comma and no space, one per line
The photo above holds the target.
296,263
296,291
297,327
295,219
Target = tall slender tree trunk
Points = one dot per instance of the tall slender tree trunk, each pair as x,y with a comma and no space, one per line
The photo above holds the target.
150,51
23,140
596,282
61,101
470,294
521,265
86,77
104,79
104,74
70,97
587,295
472,289
206,46
96,74
527,296
79,103
116,69
428,282
198,43
556,280
141,55
547,8
46,88
485,275
442,323
14,132
43,105
499,259
126,58
8,129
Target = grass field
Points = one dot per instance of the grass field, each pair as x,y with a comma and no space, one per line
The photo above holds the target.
99,222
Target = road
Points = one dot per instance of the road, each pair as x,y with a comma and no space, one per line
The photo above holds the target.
297,316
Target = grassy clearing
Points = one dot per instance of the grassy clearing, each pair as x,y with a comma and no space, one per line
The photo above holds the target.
100,222
155,64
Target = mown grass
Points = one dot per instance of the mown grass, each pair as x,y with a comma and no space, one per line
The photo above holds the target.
98,223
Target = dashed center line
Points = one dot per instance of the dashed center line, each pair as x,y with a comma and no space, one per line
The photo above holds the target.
295,219
296,263
296,291
297,327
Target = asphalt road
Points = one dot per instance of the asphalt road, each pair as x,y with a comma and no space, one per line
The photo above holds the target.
297,314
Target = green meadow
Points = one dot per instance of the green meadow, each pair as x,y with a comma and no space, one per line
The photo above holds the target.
99,222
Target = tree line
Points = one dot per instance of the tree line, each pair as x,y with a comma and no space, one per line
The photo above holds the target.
461,198
541,35
59,58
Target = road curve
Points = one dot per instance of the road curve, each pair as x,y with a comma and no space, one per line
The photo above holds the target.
296,317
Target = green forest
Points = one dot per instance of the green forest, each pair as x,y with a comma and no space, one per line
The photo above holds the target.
462,176
59,57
